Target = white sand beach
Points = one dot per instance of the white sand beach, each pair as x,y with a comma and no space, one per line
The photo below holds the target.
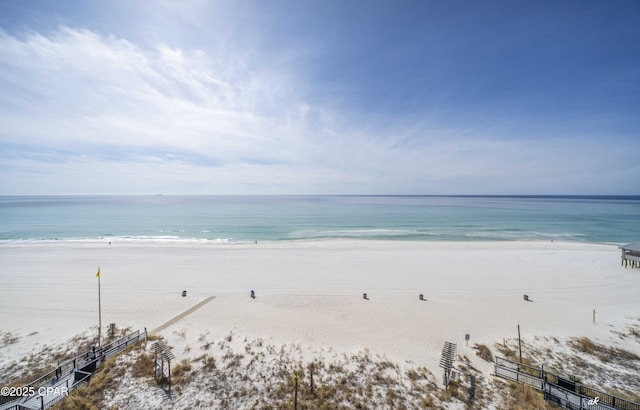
310,293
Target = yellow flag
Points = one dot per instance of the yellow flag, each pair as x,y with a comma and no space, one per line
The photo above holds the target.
98,274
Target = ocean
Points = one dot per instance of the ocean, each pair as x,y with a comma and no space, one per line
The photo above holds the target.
229,219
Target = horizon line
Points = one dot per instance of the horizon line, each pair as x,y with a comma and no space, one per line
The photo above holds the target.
613,196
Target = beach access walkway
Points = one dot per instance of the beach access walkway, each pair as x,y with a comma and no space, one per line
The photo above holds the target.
561,391
180,316
54,386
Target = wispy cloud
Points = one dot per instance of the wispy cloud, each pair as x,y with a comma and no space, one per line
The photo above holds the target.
80,89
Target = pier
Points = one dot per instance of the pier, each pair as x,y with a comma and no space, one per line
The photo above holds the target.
630,255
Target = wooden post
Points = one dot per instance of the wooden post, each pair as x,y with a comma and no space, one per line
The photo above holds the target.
295,392
446,379
594,316
99,309
519,343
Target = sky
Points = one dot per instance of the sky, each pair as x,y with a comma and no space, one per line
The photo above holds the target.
319,97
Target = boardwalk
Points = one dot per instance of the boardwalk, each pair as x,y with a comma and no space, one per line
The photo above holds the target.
563,392
54,386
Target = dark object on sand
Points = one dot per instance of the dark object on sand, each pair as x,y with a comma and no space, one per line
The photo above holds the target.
364,296
421,297
184,293
526,297
253,294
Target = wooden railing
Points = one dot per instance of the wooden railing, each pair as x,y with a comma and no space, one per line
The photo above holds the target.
560,390
66,375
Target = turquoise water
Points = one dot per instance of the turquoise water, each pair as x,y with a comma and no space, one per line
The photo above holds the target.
212,219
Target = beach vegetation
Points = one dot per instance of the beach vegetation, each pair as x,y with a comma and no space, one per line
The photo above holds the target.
352,382
483,352
181,373
453,391
144,365
507,352
208,363
412,374
232,360
602,352
512,353
77,400
283,380
524,397
8,338
627,395
427,402
635,332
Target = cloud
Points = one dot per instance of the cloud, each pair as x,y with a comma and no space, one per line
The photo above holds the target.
102,102
85,112
78,87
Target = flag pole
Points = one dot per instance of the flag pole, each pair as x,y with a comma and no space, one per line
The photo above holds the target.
99,310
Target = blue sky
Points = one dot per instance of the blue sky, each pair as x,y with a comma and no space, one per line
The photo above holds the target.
319,97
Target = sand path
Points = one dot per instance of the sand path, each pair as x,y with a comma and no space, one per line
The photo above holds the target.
181,316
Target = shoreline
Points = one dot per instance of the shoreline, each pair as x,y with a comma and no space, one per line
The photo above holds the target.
175,241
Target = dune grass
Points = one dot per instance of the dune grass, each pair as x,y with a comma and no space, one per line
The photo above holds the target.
602,352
